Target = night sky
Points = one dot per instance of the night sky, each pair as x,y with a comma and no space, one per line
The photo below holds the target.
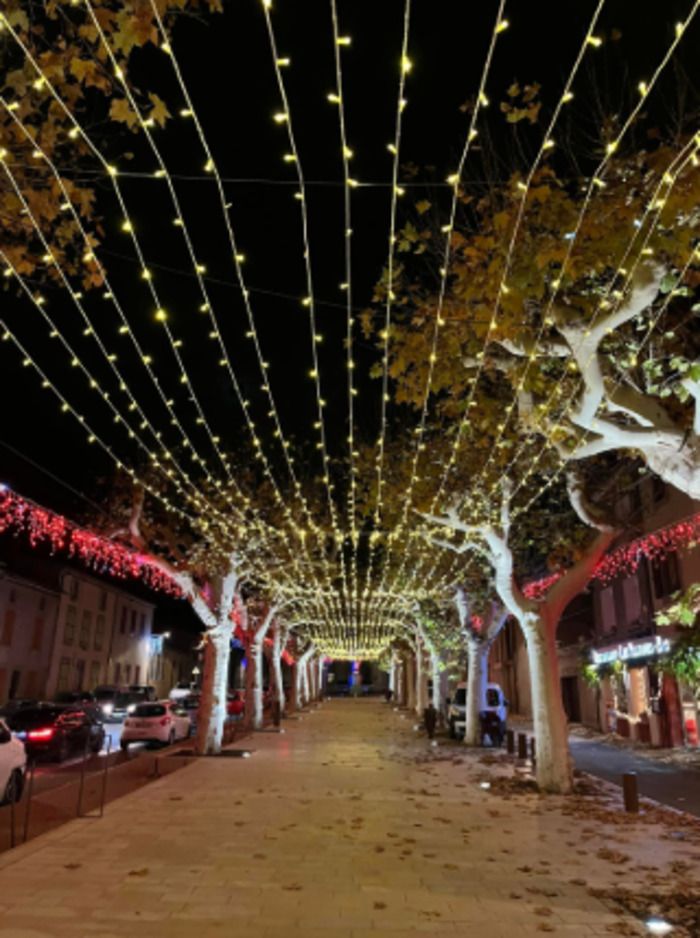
228,68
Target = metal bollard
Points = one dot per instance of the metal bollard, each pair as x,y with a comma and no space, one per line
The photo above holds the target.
522,746
28,795
630,792
510,742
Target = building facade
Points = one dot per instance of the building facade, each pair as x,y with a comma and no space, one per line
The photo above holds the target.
28,613
609,644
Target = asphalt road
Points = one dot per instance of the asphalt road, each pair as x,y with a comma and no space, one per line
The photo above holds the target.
671,785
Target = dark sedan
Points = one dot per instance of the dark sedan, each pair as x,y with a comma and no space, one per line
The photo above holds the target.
56,732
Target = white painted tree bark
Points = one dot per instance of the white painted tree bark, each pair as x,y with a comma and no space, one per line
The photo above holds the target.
255,663
539,620
319,677
478,643
647,426
410,669
421,701
435,667
302,678
279,641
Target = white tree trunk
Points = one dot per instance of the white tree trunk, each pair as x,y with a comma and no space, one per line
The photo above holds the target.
554,769
302,677
212,710
421,702
410,667
256,652
319,678
276,665
477,679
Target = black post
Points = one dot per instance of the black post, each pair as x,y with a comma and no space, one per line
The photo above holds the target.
522,746
27,807
510,742
104,778
12,822
533,750
276,713
630,792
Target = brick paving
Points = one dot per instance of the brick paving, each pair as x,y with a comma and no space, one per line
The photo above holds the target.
347,825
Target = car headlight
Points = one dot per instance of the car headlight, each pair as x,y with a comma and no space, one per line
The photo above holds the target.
131,708
107,708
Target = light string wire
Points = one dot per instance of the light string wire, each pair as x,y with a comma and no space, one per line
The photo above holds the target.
111,172
265,530
225,361
197,499
338,43
500,25
309,300
211,167
395,149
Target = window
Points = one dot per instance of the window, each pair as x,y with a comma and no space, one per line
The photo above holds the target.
664,571
37,635
122,624
85,628
137,674
69,628
102,602
132,630
127,673
8,626
99,632
94,673
63,674
71,587
142,626
118,673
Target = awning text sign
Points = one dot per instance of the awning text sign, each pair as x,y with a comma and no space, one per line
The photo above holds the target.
650,647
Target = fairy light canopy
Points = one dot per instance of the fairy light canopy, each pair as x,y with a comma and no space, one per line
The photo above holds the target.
210,211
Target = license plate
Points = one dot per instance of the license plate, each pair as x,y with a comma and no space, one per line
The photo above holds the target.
142,724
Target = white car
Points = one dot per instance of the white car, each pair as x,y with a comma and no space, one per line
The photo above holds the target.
160,722
493,701
183,689
13,762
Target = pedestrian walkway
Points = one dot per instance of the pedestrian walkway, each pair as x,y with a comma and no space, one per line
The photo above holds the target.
350,826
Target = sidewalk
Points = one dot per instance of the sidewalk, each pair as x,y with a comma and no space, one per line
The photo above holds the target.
349,825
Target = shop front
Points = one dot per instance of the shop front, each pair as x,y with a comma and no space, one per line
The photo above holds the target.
638,701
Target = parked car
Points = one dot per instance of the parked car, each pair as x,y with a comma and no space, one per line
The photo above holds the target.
105,695
493,701
75,697
12,706
56,731
13,762
190,705
147,691
161,722
181,689
126,702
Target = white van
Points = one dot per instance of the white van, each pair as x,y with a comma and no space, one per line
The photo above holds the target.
493,701
13,762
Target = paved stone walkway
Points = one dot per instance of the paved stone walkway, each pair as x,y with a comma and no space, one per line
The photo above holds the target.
340,828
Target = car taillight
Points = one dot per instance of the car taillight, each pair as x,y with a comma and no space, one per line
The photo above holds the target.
40,735
165,721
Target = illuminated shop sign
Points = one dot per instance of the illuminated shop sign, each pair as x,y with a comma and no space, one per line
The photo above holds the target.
626,651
